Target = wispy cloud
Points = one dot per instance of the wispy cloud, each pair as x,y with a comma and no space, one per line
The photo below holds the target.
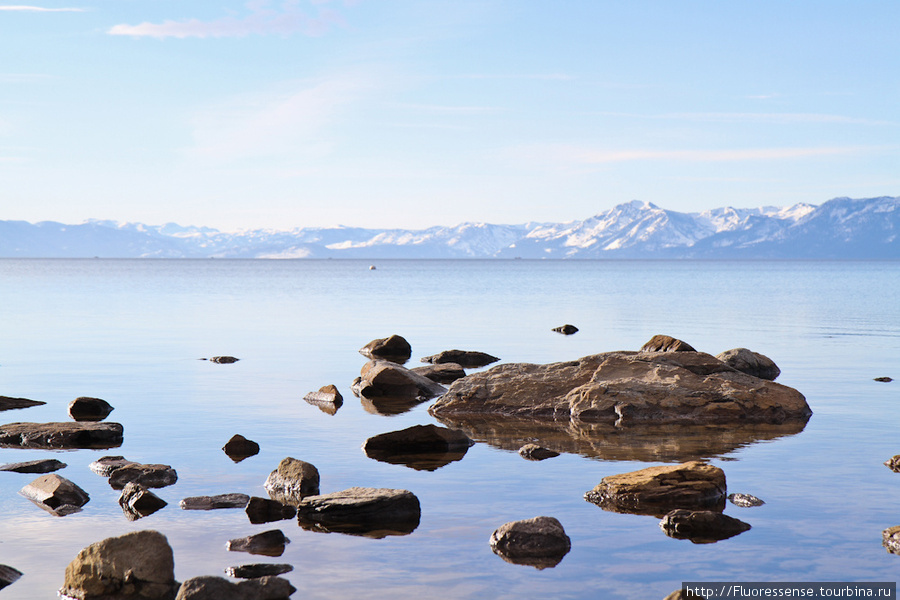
23,8
261,20
772,118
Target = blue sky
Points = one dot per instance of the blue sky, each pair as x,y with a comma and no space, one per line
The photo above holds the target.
411,113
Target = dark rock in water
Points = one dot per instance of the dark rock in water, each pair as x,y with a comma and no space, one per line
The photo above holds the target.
370,512
883,379
744,500
224,360
46,465
267,543
382,378
393,348
421,447
257,570
751,363
264,510
292,481
89,409
137,501
238,448
215,502
890,539
535,452
468,359
657,490
665,343
566,329
152,476
540,542
106,465
441,372
7,403
8,576
328,399
61,436
55,494
208,587
701,526
136,565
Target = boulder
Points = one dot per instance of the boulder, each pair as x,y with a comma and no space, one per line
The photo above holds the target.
106,465
61,436
257,570
8,576
89,409
566,329
535,452
224,360
137,501
701,526
625,388
540,542
292,480
57,495
890,539
421,447
238,448
151,476
744,500
215,502
267,543
657,490
327,394
382,378
393,348
468,359
751,363
45,465
441,372
665,343
8,403
370,512
136,565
264,510
218,588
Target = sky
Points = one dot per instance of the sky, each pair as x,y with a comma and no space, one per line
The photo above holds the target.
412,113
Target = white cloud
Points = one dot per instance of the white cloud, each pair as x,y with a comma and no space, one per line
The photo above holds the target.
22,8
261,21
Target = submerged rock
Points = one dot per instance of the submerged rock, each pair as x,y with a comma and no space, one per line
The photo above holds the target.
106,465
370,512
468,359
85,408
137,501
540,542
257,570
57,495
535,452
151,476
421,447
441,372
744,500
382,378
8,576
46,465
208,587
751,363
292,481
264,510
8,403
136,565
566,329
394,348
701,526
215,502
657,490
238,448
61,436
267,543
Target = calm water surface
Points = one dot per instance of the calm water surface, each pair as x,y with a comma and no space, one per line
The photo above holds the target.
132,332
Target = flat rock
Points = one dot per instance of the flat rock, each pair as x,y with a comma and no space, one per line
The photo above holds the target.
151,476
665,343
256,570
46,465
267,543
394,348
441,372
370,512
57,495
540,542
566,329
136,565
238,448
751,363
890,539
209,587
264,510
292,481
86,408
8,403
215,502
106,465
421,447
744,500
469,359
61,436
8,576
137,501
701,526
535,452
624,388
657,490
382,378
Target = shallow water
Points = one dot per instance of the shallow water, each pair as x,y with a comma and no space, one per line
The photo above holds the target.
132,331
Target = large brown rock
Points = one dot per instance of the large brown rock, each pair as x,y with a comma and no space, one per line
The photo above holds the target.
85,408
61,436
151,476
540,542
218,588
701,526
136,565
57,495
421,447
394,348
292,481
383,378
370,512
625,388
658,490
751,363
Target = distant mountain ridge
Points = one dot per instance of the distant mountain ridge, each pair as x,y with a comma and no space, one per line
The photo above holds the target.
842,228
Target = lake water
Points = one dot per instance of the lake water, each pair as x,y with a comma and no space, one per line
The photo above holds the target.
132,331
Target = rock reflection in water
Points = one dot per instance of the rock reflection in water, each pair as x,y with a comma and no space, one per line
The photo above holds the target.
390,405
642,443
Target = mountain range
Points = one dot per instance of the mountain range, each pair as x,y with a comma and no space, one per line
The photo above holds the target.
842,228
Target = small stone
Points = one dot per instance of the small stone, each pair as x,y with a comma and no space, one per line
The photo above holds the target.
535,452
751,363
701,526
137,501
566,329
540,542
744,500
215,502
883,379
328,399
89,409
8,576
151,476
257,570
238,448
890,539
106,465
46,465
264,510
224,360
665,343
267,543
55,494
469,359
292,481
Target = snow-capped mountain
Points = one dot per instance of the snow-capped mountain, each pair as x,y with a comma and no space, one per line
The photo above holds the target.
839,228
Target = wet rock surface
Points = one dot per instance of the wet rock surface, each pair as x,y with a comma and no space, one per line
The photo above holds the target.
55,494
751,363
701,526
267,543
137,501
47,465
8,576
540,542
535,452
370,512
394,348
657,490
744,500
151,476
86,408
106,465
62,436
215,502
239,448
385,379
442,373
9,403
209,587
264,510
136,565
468,359
256,570
292,481
421,447
566,329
